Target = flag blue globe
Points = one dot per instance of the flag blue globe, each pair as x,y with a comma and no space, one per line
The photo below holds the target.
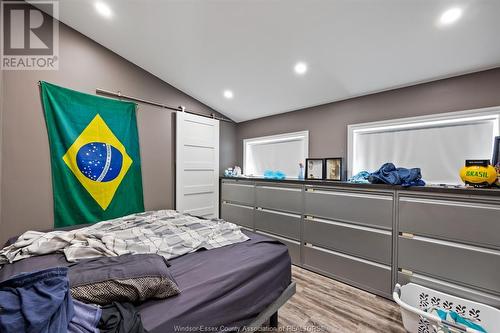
99,161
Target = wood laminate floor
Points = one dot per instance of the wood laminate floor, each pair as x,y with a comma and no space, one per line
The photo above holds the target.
322,304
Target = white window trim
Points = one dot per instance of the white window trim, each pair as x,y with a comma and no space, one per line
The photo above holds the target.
465,116
302,135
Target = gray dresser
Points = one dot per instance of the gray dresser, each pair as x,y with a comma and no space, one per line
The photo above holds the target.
374,236
347,234
450,243
238,200
271,209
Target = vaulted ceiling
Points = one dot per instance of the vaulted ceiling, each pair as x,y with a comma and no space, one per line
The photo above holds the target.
250,47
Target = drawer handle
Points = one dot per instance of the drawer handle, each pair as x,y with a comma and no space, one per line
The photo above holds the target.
356,195
455,245
406,271
280,188
309,217
407,235
238,184
461,204
278,237
228,203
349,225
271,211
348,256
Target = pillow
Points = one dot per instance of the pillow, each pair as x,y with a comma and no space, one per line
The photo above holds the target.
127,278
32,264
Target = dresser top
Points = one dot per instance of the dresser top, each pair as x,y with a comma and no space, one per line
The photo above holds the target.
465,190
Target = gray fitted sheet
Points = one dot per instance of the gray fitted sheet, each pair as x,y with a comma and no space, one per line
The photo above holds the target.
227,286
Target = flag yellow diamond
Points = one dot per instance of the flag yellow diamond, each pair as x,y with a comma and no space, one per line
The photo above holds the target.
99,161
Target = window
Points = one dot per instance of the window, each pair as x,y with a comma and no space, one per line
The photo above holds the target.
281,152
438,144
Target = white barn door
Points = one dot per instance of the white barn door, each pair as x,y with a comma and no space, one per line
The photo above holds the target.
197,165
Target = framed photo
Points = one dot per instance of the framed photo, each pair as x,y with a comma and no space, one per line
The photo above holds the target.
314,168
495,161
333,168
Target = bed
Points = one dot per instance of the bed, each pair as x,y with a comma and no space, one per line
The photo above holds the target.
222,289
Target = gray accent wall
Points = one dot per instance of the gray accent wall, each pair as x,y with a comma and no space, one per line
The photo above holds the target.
26,188
327,124
227,146
1,136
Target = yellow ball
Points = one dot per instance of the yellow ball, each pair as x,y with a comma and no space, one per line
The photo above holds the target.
478,174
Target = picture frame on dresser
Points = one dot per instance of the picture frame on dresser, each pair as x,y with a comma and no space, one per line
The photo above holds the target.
333,168
315,168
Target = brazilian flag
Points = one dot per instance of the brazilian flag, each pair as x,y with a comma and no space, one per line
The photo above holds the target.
94,151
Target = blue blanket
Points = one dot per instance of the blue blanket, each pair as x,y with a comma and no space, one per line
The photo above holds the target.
389,174
360,178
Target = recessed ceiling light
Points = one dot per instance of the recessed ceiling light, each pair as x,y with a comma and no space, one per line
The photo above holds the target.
103,9
228,94
300,68
450,16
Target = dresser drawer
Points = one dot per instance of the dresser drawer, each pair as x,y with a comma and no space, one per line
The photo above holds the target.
284,224
462,264
370,243
288,199
238,214
468,222
238,192
293,246
368,209
361,273
450,288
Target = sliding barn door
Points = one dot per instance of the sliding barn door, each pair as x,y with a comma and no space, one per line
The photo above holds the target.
197,165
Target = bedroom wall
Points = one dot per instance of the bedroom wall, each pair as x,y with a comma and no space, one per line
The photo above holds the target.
1,116
327,124
26,190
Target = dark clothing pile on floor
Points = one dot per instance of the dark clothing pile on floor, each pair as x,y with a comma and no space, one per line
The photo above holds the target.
41,302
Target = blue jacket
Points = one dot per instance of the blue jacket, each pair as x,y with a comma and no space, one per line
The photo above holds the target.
389,174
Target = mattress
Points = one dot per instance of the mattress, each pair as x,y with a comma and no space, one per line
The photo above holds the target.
221,288
227,286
